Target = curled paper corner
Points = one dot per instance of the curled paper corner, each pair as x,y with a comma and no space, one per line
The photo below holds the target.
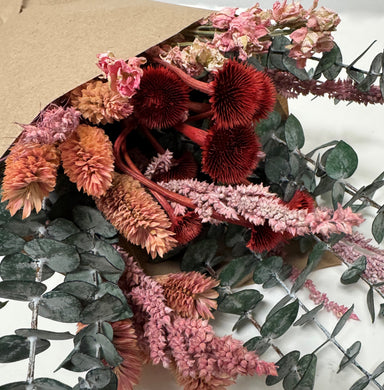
55,48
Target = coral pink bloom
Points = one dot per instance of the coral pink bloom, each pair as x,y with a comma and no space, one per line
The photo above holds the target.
190,294
221,19
125,342
30,175
88,160
288,14
323,19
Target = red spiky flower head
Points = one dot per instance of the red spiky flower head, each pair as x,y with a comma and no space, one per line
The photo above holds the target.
186,227
162,100
267,98
302,200
230,154
263,238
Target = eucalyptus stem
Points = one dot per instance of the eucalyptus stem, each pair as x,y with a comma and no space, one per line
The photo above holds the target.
328,335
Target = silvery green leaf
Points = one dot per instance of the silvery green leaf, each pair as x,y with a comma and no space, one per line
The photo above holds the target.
378,370
284,366
60,306
91,220
15,386
303,378
21,267
341,162
83,362
371,304
328,64
83,291
294,134
342,321
21,290
59,256
353,273
350,354
309,316
61,228
257,344
338,191
378,227
235,271
198,255
10,243
283,301
360,384
44,334
240,302
84,242
50,384
14,348
99,377
109,352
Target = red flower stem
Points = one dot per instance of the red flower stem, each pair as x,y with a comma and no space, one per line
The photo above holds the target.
199,107
190,81
193,133
154,142
203,115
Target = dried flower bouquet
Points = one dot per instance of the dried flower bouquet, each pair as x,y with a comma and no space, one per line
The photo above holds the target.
187,154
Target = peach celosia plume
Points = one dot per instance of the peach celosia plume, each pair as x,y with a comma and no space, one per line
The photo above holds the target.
30,175
88,160
137,216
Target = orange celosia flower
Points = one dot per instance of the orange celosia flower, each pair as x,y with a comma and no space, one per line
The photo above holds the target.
30,175
190,294
99,104
87,157
125,342
137,216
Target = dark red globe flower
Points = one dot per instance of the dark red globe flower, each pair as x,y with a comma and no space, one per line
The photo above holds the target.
263,238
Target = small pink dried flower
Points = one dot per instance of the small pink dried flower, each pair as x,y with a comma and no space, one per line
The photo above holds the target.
323,19
30,175
99,104
123,77
88,160
190,294
288,14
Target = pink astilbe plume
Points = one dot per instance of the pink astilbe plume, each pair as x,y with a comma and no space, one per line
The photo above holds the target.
190,294
187,346
99,104
123,76
54,126
137,216
29,176
160,164
88,160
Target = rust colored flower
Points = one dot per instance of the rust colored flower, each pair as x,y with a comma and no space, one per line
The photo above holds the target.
190,294
230,155
267,98
263,238
302,200
137,216
186,227
125,342
87,158
99,104
162,100
30,175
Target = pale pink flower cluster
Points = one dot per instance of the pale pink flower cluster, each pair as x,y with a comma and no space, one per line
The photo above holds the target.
287,15
195,58
257,205
123,76
351,247
201,358
54,126
159,164
318,297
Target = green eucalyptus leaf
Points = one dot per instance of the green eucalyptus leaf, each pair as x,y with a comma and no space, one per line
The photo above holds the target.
283,301
280,321
381,311
114,289
309,316
257,344
15,386
84,242
240,302
59,256
294,134
198,255
350,354
106,308
10,243
276,167
44,334
353,273
84,275
325,185
378,227
291,66
89,346
61,228
308,179
14,348
341,162
109,352
360,384
99,263
313,260
89,330
83,291
21,267
50,384
102,248
265,126
242,318
5,215
60,306
328,64
338,191
265,269
371,304
278,52
284,366
21,290
342,321
303,378
107,330
378,370
91,220
237,270
83,362
99,377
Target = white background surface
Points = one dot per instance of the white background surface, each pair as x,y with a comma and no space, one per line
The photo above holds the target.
362,128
